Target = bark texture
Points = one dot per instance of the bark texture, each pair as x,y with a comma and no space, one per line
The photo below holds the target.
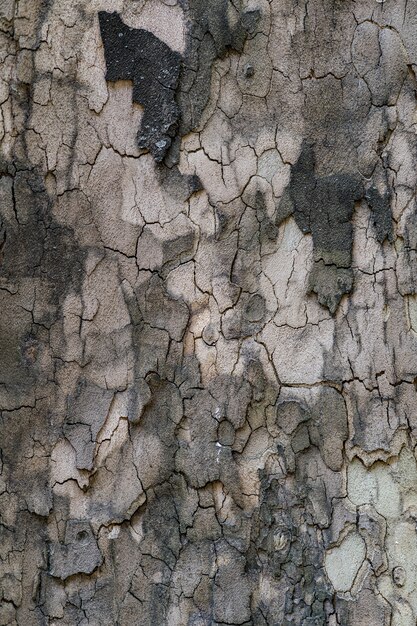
208,313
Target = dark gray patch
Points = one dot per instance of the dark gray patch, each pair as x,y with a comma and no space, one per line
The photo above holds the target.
246,318
328,428
34,247
286,547
79,554
161,311
139,56
381,212
330,283
290,414
160,548
226,433
323,206
211,34
181,186
324,424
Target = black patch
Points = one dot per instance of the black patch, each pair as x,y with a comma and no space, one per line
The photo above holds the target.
173,91
139,56
323,206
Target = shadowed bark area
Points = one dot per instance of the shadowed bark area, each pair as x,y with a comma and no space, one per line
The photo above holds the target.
208,313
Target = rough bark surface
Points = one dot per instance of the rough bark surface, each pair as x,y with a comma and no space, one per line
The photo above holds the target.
208,313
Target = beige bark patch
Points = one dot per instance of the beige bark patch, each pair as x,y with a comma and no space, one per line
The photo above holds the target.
343,562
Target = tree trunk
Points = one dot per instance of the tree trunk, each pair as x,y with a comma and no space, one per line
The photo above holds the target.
208,296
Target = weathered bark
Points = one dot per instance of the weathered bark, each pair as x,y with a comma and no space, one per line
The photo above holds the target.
208,296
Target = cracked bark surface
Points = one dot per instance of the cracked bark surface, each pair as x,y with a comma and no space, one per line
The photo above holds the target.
208,329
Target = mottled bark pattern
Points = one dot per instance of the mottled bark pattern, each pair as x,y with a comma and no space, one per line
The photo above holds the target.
208,329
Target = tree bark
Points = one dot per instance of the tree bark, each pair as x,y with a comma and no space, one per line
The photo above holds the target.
208,329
